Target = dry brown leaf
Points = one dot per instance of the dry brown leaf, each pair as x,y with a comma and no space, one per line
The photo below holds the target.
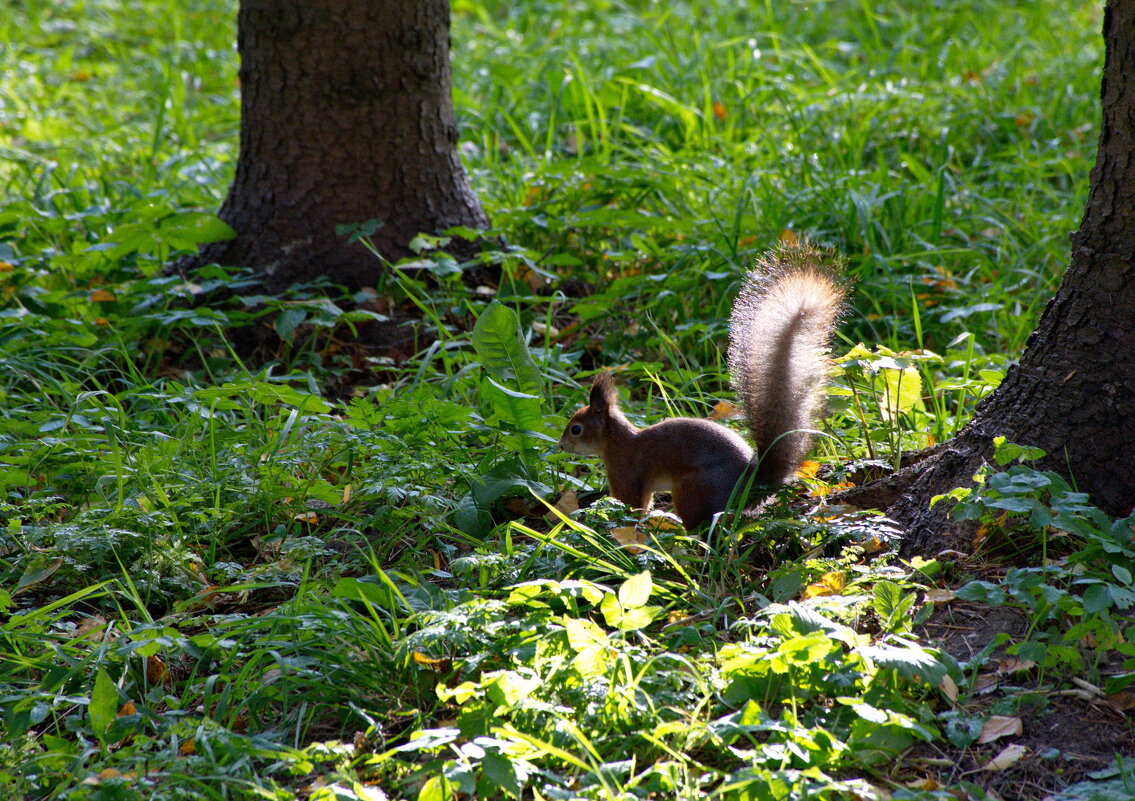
568,502
1013,664
156,670
998,726
940,596
1123,701
986,682
1010,755
949,688
630,538
928,783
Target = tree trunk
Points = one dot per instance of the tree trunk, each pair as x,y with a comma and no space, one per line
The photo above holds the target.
1073,392
346,116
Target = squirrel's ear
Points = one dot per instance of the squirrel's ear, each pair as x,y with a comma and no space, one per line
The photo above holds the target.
603,395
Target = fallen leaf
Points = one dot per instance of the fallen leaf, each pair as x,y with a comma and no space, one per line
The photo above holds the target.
940,596
949,688
1122,701
545,330
156,670
725,410
1009,756
808,469
986,682
629,537
658,521
568,502
998,726
829,584
441,663
1014,664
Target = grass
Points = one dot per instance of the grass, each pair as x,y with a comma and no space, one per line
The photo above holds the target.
324,572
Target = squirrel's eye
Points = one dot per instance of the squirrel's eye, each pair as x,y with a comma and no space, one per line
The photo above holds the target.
576,429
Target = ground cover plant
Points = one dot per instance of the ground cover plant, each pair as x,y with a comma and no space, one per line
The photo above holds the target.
295,546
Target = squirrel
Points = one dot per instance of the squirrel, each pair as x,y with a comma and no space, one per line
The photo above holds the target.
780,331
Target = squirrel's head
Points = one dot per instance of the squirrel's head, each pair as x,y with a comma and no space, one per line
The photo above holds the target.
588,429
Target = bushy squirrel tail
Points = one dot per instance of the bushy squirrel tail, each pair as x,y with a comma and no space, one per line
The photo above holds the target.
780,332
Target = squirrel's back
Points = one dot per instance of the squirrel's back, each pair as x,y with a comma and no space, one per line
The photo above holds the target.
780,333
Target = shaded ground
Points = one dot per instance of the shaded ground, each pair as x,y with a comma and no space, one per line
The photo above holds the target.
1068,726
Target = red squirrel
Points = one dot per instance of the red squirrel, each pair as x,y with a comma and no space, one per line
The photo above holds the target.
780,331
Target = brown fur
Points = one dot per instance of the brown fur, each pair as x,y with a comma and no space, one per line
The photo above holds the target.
782,323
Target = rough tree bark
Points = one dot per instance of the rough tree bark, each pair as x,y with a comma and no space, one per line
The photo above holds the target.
1073,392
346,116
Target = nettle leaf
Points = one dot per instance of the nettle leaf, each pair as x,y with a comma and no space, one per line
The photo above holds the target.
513,387
500,771
287,321
907,660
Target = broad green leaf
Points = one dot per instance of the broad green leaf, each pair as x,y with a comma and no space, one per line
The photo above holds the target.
104,703
513,387
287,321
499,770
188,229
636,590
901,390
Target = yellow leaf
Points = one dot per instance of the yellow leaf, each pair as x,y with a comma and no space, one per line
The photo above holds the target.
433,663
829,584
808,469
725,410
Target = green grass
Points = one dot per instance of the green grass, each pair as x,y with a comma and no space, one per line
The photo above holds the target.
262,576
